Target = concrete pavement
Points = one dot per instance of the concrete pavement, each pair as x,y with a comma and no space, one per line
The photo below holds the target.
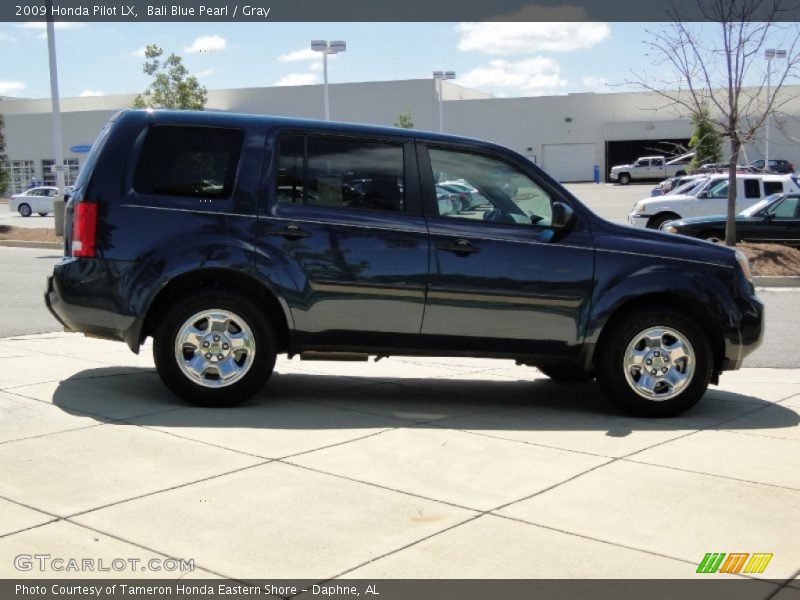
401,469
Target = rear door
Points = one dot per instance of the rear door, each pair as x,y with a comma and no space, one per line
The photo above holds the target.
345,215
502,281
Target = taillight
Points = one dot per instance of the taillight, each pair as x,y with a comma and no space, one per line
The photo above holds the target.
84,229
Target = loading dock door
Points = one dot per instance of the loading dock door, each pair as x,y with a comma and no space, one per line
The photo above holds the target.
569,162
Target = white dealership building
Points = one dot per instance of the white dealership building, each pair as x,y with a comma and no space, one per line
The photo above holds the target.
565,134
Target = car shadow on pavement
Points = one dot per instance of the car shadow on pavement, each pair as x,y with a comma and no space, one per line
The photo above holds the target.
312,401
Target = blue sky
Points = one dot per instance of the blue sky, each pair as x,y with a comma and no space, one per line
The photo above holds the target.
515,59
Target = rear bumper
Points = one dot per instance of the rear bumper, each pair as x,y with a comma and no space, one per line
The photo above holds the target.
80,296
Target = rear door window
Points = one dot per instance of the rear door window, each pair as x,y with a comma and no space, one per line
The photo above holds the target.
341,173
194,162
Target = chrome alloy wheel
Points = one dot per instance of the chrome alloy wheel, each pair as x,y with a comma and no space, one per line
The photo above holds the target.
215,348
659,363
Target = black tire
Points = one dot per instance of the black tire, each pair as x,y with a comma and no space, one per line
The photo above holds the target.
624,178
191,390
712,236
656,221
43,214
610,363
680,174
24,209
564,373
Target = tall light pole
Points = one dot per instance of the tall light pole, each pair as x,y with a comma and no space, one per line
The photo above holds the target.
770,54
326,48
439,77
58,149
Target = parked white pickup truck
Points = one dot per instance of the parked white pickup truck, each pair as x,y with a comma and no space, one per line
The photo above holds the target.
711,199
651,167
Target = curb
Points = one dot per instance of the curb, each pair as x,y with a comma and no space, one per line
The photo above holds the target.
777,282
27,244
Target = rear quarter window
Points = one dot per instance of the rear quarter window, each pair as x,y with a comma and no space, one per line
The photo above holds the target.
772,187
194,162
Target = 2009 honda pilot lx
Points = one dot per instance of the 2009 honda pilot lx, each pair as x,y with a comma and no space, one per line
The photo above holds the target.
232,238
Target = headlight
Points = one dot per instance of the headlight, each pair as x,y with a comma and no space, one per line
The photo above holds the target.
670,229
638,207
744,264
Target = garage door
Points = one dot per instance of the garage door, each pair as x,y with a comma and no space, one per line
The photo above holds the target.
569,162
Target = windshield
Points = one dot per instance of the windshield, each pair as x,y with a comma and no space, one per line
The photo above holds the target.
749,212
689,187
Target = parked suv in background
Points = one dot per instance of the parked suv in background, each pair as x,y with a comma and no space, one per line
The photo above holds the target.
709,200
232,238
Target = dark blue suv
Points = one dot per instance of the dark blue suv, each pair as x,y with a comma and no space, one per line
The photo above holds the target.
232,238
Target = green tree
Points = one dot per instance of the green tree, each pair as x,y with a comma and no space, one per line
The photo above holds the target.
3,158
706,140
404,120
172,85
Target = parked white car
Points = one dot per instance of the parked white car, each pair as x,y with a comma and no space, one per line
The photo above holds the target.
35,200
709,198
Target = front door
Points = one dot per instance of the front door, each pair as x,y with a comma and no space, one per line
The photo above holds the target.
502,280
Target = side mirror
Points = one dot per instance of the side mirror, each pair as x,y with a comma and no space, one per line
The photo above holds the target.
702,195
769,216
563,216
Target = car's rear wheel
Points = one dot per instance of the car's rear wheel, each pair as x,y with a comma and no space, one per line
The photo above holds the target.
25,210
624,178
654,363
214,349
565,373
44,214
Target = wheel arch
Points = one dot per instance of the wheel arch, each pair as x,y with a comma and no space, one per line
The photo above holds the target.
660,217
692,307
203,279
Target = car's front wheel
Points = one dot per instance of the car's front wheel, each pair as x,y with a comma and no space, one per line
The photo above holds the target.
624,179
214,348
654,363
25,210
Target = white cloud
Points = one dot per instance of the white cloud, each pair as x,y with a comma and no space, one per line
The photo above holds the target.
205,72
87,93
597,83
297,55
139,52
298,79
207,43
8,88
530,76
521,38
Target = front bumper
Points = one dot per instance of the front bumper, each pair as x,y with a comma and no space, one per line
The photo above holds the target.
638,220
613,176
749,332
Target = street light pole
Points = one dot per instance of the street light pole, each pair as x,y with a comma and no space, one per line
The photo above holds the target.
327,48
58,149
439,77
770,54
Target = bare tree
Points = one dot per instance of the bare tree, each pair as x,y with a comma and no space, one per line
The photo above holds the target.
726,72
